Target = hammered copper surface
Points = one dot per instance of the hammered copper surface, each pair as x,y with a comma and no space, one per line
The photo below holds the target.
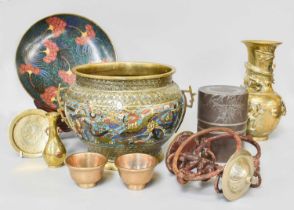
136,169
86,169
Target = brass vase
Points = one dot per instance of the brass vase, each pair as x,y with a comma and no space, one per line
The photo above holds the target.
54,153
265,106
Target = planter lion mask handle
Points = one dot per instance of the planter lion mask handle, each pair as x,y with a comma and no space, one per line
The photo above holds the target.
124,107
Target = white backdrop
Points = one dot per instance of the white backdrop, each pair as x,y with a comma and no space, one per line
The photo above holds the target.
201,39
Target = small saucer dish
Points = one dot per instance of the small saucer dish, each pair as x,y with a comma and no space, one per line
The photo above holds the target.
28,133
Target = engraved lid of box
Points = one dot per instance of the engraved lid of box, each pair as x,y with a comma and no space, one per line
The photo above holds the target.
222,105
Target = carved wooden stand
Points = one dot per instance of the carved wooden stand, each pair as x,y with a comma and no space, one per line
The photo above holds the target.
190,158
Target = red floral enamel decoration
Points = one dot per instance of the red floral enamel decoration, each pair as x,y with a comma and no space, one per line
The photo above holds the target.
51,51
49,96
28,68
86,36
67,76
56,25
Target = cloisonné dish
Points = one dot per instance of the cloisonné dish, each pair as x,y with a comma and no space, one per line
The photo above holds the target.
51,48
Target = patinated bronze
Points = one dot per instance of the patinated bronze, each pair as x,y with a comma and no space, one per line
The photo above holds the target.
192,159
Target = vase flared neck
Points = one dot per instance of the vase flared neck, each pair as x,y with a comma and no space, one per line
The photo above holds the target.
261,54
260,65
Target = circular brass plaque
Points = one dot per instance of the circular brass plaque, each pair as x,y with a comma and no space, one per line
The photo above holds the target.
237,175
28,134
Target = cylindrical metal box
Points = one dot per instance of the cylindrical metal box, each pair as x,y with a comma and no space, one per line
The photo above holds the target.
223,106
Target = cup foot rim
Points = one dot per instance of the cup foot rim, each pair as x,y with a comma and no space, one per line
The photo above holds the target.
136,186
85,186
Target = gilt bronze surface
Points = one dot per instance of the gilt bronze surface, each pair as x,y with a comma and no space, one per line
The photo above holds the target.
265,105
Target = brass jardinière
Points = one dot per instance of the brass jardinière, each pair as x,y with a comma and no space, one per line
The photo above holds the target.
124,107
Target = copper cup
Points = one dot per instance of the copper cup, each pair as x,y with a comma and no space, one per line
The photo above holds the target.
86,168
136,169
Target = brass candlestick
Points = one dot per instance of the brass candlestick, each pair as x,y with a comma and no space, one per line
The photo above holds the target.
265,106
54,153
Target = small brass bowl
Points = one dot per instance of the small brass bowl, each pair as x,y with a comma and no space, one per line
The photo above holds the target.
136,169
86,168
